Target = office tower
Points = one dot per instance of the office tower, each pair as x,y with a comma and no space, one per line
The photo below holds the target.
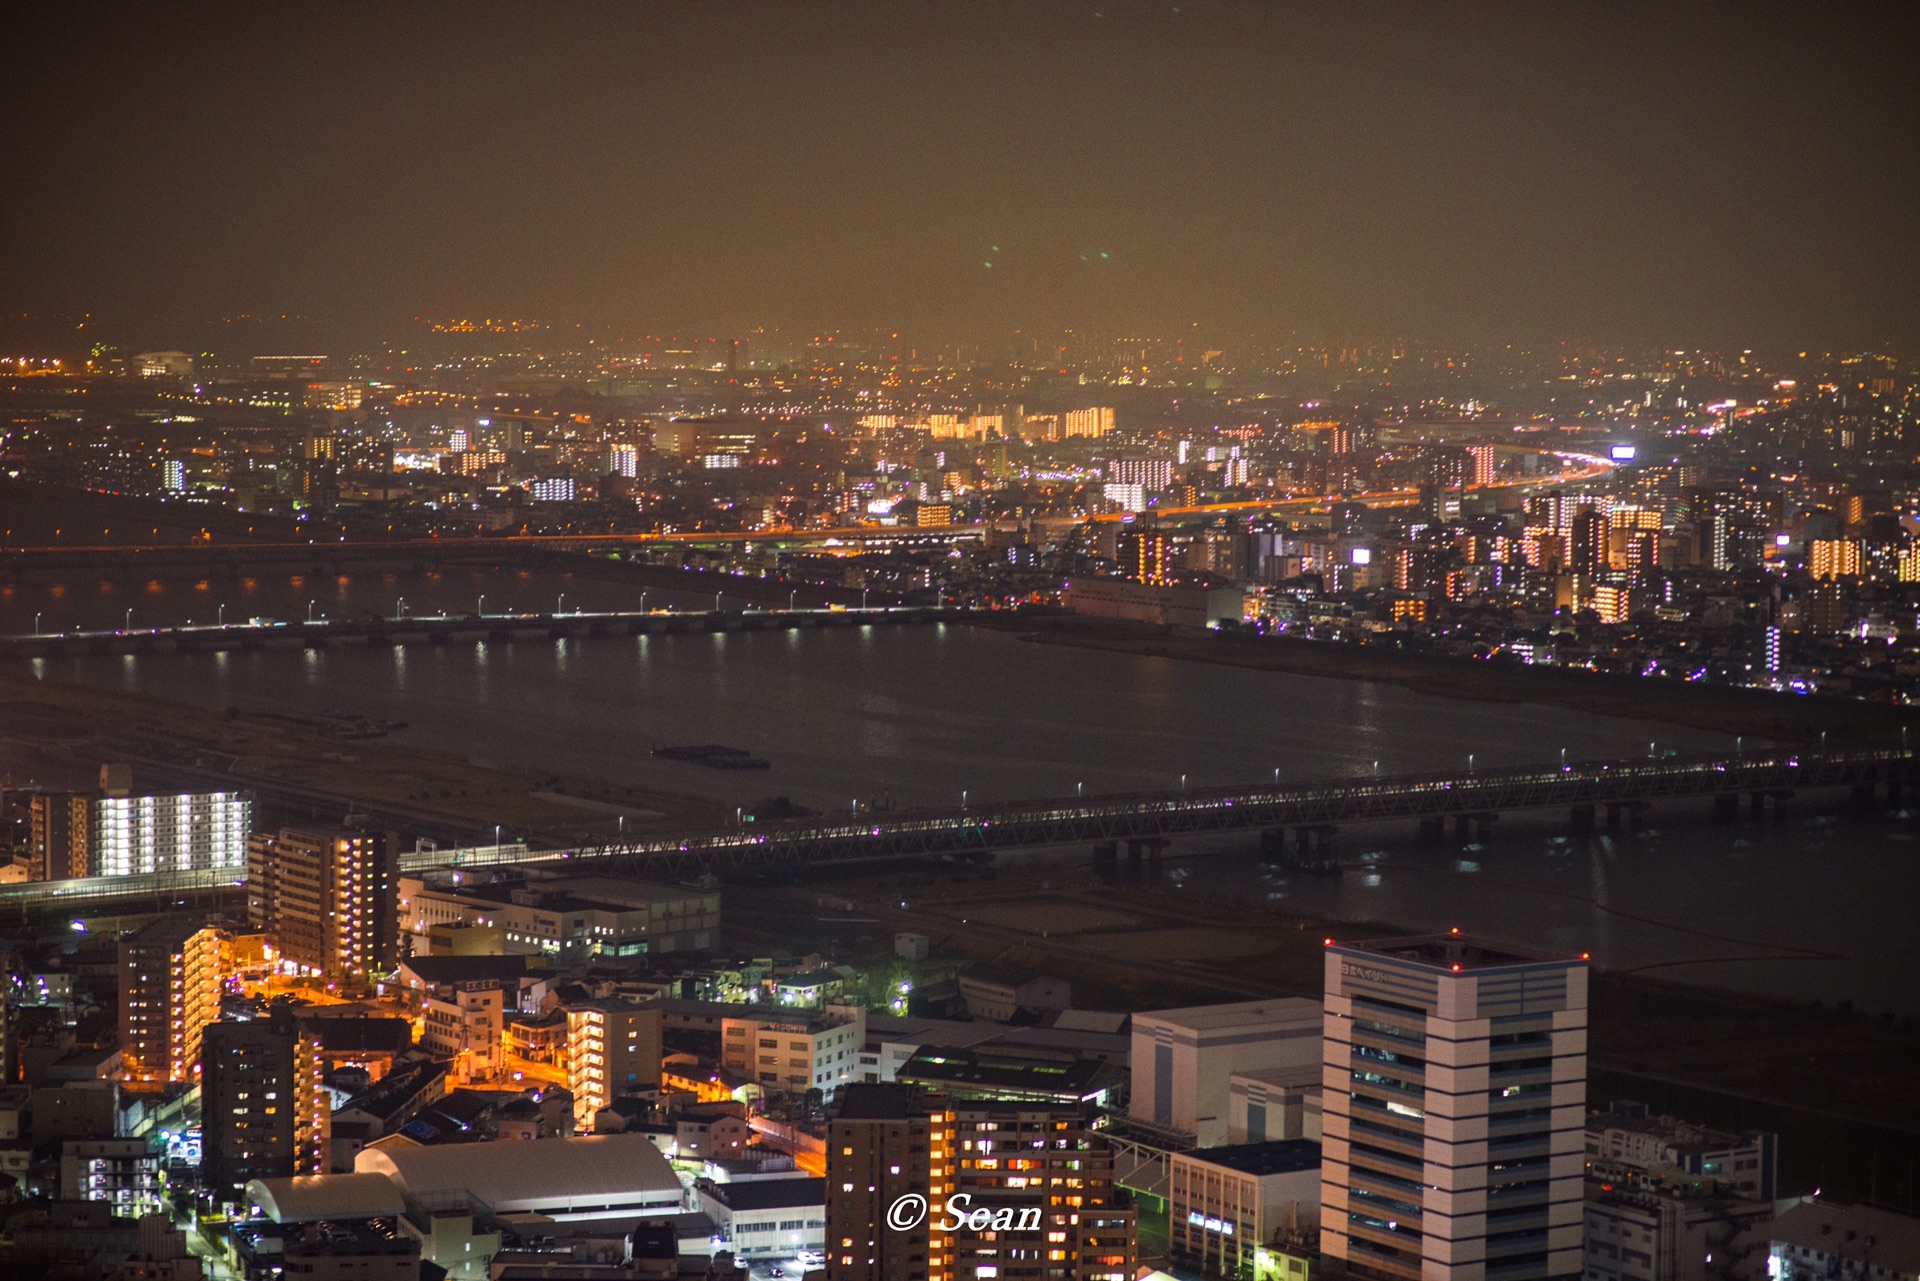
1453,1130
169,991
1088,422
327,899
1043,1180
263,1111
611,1050
1590,536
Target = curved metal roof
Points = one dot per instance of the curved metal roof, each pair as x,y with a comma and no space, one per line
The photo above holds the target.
549,1175
309,1197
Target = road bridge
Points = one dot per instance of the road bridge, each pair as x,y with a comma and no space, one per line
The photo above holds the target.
443,628
1148,820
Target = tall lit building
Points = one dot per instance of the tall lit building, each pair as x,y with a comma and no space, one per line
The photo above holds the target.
58,835
1833,558
112,832
1453,1130
327,899
1482,457
624,460
883,1144
169,992
1097,421
611,1050
1040,1178
1591,533
264,1113
1155,475
1146,556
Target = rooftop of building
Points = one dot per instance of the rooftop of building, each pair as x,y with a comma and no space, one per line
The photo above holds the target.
307,1198
435,970
1301,1076
1203,1019
1280,1156
769,1194
865,1101
989,1071
1684,1136
1891,1240
1455,952
504,1173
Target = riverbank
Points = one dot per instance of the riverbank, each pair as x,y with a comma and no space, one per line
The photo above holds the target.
1755,713
305,767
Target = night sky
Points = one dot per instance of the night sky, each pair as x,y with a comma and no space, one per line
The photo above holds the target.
1726,175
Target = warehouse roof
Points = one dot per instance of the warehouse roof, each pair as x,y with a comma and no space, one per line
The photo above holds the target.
597,1173
310,1197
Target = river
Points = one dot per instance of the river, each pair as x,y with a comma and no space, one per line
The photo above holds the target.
1812,903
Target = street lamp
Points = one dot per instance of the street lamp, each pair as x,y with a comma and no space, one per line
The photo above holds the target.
400,608
792,597
309,611
863,598
482,611
1079,789
1183,782
36,624
129,626
643,602
561,607
963,798
716,601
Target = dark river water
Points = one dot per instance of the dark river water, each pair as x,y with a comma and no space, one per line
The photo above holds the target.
1814,903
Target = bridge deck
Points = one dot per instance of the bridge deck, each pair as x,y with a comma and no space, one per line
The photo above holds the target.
1157,815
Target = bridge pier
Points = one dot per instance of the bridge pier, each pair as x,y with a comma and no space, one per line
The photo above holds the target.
1893,794
1581,817
1474,824
1106,856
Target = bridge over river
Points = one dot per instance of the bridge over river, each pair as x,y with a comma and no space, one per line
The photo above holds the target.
1590,791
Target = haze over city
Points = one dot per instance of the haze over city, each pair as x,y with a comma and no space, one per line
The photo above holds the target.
1640,174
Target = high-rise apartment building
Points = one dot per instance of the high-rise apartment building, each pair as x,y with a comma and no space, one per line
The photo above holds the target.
919,1186
115,833
1097,421
169,991
1453,1130
1155,475
611,1050
327,899
1147,556
1482,458
263,1111
57,835
1590,541
1833,558
882,1148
